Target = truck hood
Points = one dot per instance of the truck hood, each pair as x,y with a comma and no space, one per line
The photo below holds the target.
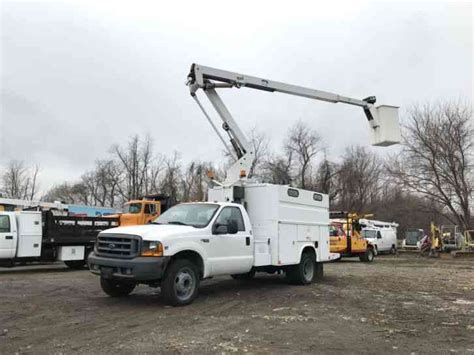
157,232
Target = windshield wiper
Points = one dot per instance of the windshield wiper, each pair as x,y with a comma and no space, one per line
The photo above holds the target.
156,223
178,223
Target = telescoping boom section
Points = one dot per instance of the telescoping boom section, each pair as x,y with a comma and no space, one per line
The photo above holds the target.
383,119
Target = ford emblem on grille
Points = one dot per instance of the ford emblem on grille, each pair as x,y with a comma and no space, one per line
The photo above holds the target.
111,245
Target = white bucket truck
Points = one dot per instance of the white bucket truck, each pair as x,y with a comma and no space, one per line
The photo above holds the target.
245,227
382,235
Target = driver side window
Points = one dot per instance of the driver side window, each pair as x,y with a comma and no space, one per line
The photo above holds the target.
229,214
4,224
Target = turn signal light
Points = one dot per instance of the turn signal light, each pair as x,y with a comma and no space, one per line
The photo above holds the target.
152,249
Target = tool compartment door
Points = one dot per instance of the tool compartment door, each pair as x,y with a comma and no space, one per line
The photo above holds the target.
287,244
29,234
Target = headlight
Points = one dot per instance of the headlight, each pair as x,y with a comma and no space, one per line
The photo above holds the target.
151,248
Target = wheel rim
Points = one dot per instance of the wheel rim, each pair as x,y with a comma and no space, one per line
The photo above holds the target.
308,270
371,255
184,284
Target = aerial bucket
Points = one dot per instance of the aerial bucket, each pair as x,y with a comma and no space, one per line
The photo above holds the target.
385,128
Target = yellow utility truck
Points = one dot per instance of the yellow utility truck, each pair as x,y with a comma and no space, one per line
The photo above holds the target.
346,238
142,211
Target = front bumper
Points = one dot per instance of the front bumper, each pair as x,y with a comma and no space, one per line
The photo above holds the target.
137,269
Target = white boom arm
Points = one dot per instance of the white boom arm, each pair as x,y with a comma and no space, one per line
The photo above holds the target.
383,120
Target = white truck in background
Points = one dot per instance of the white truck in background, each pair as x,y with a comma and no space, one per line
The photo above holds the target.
382,235
245,227
41,236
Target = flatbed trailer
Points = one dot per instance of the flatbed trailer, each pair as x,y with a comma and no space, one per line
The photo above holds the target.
41,236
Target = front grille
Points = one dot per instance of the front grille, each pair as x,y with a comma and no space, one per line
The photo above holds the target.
118,245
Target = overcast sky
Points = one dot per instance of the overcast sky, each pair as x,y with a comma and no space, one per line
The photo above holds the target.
79,76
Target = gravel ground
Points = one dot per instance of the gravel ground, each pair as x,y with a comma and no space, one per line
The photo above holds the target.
398,304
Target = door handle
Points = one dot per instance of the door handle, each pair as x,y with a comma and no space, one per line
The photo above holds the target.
247,240
205,240
9,237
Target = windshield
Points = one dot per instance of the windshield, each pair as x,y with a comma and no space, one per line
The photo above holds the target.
412,237
132,208
367,233
189,214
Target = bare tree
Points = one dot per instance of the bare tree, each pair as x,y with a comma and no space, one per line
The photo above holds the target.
135,162
303,143
437,157
20,181
277,170
359,179
171,182
76,193
260,144
325,178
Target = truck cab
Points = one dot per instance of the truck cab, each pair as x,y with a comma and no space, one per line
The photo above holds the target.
142,211
137,212
8,235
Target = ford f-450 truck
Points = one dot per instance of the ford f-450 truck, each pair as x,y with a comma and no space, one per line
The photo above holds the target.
245,226
281,228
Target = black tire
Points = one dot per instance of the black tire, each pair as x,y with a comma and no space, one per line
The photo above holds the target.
75,264
246,276
181,282
115,288
318,272
368,256
304,272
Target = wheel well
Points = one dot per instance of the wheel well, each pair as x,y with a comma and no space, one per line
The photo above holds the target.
193,257
309,250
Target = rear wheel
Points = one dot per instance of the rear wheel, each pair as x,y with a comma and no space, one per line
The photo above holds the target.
368,256
180,284
75,264
116,288
246,276
304,272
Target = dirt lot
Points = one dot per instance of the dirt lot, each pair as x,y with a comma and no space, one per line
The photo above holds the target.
400,304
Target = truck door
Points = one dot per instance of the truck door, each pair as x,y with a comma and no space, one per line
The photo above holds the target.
150,212
7,237
229,252
381,242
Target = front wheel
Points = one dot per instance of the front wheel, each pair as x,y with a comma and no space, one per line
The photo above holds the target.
116,288
180,284
368,256
304,272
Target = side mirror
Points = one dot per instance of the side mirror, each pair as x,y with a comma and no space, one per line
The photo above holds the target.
220,229
379,236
